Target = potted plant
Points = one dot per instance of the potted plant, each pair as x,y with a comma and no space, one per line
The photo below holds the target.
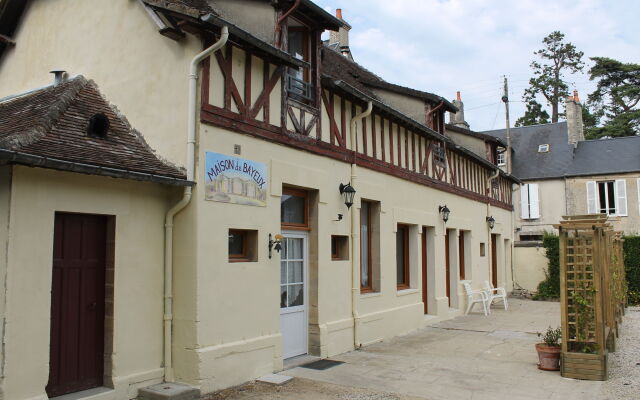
549,349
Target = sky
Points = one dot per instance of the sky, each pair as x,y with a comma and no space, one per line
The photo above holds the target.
444,46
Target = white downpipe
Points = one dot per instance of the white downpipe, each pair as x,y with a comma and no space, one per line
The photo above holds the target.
489,194
355,258
186,198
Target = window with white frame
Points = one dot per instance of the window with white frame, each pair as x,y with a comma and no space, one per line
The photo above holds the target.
607,197
502,159
529,201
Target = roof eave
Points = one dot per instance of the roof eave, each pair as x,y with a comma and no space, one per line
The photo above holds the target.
32,160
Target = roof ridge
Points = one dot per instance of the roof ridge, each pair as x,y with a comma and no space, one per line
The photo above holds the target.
43,125
602,140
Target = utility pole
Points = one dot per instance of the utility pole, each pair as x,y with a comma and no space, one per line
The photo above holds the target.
505,99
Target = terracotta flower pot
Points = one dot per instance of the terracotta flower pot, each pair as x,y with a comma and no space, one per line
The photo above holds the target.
549,357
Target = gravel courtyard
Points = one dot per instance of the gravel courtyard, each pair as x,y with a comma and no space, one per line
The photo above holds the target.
468,358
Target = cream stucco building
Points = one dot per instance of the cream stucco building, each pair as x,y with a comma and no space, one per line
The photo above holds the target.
257,253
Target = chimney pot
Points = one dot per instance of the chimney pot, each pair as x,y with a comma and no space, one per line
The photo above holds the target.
458,95
59,76
339,13
575,96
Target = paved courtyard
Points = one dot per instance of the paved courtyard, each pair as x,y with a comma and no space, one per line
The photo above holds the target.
468,358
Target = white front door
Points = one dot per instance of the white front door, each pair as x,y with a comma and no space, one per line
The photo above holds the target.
293,294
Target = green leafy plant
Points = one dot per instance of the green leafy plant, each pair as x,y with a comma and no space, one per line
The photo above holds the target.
551,337
632,268
550,287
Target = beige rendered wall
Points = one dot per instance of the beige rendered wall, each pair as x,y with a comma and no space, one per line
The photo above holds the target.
472,143
235,335
117,45
260,22
5,201
407,105
577,200
551,194
529,266
139,210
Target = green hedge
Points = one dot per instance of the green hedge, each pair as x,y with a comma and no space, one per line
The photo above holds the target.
632,268
550,287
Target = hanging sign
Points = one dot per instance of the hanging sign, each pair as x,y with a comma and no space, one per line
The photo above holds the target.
235,180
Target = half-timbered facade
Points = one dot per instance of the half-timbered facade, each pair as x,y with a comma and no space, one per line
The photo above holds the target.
272,258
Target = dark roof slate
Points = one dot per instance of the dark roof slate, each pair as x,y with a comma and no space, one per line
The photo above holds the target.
51,123
589,157
194,8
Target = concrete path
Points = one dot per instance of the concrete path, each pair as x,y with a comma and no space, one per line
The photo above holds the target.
467,358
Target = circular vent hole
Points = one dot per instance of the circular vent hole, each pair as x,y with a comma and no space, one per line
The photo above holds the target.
98,126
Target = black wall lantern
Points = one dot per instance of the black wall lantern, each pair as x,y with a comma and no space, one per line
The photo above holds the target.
444,210
491,221
348,192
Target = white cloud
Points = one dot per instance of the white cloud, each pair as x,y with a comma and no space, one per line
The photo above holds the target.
443,46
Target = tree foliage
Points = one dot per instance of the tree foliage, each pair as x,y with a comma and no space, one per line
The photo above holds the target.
550,287
616,98
534,115
556,59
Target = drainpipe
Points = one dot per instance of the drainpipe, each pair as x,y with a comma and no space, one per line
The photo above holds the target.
489,193
514,188
281,20
186,198
355,259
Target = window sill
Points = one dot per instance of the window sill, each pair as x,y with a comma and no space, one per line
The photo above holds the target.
367,295
406,292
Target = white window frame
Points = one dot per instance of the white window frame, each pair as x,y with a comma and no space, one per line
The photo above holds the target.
619,197
544,148
501,159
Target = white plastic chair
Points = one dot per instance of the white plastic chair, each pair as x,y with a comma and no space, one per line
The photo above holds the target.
496,293
476,296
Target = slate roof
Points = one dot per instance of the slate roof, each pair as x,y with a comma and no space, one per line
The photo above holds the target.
590,157
48,127
193,8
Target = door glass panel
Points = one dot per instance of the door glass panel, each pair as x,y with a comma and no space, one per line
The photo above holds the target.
283,272
295,271
283,296
295,249
296,295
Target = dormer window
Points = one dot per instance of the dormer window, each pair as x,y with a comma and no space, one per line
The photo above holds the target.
543,148
98,126
298,45
502,159
438,153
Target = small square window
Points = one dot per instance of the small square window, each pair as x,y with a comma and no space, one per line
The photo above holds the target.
339,247
243,245
543,148
438,152
482,249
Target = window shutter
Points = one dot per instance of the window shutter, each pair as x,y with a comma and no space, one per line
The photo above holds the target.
621,197
592,207
534,202
524,202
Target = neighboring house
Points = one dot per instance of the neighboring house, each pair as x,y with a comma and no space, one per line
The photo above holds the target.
564,174
271,257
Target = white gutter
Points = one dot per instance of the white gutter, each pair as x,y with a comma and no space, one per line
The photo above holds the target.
186,198
355,258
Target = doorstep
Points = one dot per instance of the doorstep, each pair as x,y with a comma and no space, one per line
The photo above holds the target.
99,393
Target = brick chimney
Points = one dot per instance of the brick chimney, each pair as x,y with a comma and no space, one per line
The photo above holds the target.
457,119
573,111
341,38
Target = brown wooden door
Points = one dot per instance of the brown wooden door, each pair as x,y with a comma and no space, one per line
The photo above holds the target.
424,270
461,252
494,261
447,265
77,304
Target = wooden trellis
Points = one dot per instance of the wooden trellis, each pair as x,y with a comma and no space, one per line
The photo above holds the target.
592,294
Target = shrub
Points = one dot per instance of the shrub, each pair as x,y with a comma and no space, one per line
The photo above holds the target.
550,287
632,268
